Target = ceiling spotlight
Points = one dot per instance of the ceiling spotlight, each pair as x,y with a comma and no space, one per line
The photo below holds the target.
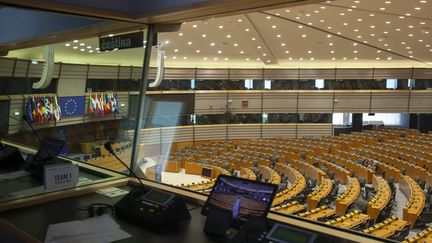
67,44
228,36
110,35
190,43
204,35
239,20
194,26
235,44
197,51
212,44
220,26
75,41
180,34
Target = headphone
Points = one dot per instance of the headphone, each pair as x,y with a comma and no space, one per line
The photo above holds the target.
98,209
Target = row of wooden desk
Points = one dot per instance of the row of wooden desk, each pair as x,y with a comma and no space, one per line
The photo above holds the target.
416,199
381,199
348,197
387,228
350,220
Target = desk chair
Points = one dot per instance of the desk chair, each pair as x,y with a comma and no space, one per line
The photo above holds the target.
424,218
402,234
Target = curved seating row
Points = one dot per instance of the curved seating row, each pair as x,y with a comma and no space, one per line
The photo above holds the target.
348,197
381,199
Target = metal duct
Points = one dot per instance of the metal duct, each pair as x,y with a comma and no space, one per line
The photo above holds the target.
160,69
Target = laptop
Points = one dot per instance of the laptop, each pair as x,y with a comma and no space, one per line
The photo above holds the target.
46,154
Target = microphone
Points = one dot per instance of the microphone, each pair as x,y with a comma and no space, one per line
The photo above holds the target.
26,119
108,147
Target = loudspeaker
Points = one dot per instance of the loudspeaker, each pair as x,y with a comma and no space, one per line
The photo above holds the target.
10,158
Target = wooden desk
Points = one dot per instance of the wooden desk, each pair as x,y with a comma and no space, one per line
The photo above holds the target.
318,213
416,201
381,199
389,229
323,191
348,197
352,221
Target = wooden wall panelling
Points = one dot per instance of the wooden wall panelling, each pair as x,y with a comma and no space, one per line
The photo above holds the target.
210,102
314,130
212,74
73,71
420,101
210,132
279,130
280,101
21,68
317,73
389,101
355,101
252,97
103,72
314,101
7,67
236,74
242,131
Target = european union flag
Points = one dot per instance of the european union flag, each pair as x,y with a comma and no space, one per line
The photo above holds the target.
72,106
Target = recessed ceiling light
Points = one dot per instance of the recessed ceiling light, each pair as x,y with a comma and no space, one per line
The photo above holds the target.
205,58
75,41
176,50
398,29
190,43
283,44
287,10
174,57
226,58
355,58
75,47
371,15
274,26
197,51
388,22
422,22
253,38
241,52
333,58
268,17
67,44
219,51
417,8
235,44
184,58
359,20
259,47
180,34
228,36
167,42
204,35
345,24
286,52
194,26
89,47
212,44
82,49
344,58
247,29
304,36
300,26
342,14
247,58
332,51
220,26
382,9
278,36
378,51
215,58
97,48
372,26
239,20
355,51
110,35
82,44
330,44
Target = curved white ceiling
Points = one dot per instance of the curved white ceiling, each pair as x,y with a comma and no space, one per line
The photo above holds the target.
343,33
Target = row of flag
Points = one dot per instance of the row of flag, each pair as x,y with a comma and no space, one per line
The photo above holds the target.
46,108
42,109
103,104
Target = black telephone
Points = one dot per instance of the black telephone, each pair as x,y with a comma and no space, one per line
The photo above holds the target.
152,208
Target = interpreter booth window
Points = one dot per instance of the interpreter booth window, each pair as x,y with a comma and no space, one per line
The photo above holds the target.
210,119
174,84
307,84
13,85
379,84
284,84
4,116
352,84
315,118
245,118
237,84
421,84
282,118
127,85
205,84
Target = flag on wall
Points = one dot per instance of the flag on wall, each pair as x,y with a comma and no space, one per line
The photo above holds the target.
42,108
72,105
103,104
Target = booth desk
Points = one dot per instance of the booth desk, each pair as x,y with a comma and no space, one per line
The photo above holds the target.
29,218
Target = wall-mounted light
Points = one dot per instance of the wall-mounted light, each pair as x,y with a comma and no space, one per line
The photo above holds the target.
16,113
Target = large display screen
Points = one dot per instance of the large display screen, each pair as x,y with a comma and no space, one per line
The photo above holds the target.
244,198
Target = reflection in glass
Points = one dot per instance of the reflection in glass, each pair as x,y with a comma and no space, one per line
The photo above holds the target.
315,118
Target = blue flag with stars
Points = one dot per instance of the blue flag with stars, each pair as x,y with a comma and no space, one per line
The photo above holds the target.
72,106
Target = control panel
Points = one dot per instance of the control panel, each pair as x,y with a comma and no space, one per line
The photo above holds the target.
152,208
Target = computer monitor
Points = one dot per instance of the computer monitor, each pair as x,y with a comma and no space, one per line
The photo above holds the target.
244,198
49,149
206,172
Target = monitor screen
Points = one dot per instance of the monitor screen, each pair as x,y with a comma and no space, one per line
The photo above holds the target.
206,172
157,197
243,197
286,234
49,148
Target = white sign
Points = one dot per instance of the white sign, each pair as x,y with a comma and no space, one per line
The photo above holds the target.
60,176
